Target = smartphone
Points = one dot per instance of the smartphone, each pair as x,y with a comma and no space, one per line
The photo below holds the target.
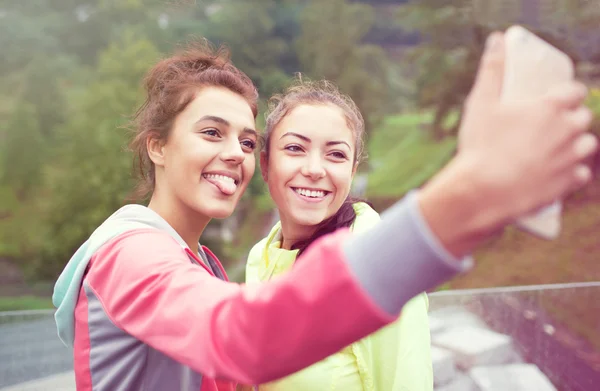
532,67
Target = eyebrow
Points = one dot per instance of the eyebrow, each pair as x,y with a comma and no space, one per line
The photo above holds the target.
308,140
224,122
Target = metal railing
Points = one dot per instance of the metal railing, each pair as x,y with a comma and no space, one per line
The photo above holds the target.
544,337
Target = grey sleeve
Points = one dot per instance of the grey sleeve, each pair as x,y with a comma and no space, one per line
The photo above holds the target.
400,257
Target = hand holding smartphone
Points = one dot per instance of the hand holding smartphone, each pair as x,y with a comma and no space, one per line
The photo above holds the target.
532,67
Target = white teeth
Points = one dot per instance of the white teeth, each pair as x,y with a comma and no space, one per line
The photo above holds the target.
310,193
220,177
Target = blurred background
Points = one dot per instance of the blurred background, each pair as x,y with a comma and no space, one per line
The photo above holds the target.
70,77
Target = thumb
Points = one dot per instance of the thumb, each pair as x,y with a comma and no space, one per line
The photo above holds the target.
490,75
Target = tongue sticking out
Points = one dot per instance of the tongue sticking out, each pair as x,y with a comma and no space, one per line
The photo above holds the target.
226,187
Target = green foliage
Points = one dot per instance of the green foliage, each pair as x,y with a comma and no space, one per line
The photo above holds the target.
445,63
593,103
254,23
331,47
21,303
71,73
402,157
23,150
90,177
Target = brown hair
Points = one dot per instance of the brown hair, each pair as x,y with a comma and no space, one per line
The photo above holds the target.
170,86
320,92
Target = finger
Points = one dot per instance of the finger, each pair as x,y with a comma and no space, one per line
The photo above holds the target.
585,146
578,121
575,152
568,95
490,75
576,178
572,179
582,175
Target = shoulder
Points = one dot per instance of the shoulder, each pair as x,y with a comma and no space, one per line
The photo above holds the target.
141,248
145,240
140,259
256,251
366,217
255,260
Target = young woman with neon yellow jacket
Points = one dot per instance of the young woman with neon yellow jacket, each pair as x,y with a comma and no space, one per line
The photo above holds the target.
314,140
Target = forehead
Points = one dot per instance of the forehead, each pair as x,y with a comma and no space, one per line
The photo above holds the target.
220,102
317,122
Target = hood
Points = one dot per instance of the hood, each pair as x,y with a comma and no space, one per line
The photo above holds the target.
67,287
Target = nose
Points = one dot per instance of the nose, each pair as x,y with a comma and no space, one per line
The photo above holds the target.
313,167
232,152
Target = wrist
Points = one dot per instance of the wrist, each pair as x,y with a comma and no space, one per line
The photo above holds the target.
458,207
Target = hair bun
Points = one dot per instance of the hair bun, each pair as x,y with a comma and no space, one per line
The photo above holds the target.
196,57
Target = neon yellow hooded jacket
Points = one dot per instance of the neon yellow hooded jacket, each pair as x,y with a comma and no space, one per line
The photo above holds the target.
396,358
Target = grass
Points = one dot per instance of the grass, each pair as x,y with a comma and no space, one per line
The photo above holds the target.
394,129
403,156
19,303
517,258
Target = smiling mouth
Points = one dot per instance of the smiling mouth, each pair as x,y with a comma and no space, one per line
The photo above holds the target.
316,194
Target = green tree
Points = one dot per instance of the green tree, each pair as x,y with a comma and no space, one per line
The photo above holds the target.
22,156
453,34
46,28
90,177
331,46
445,60
23,150
249,30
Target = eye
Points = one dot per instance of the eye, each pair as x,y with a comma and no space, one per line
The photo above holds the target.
248,144
211,132
339,155
293,148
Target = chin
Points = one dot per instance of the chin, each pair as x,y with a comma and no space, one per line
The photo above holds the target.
216,211
309,219
220,213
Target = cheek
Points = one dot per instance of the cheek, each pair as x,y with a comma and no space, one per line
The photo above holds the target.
192,154
274,180
277,182
280,172
342,180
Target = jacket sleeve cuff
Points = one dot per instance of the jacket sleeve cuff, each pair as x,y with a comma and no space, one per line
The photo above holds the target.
400,257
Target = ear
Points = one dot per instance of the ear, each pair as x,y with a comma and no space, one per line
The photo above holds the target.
264,165
156,149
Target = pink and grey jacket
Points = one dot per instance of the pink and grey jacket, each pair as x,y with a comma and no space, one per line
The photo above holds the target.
143,312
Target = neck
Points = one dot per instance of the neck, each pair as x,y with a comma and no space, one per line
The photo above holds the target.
188,223
292,233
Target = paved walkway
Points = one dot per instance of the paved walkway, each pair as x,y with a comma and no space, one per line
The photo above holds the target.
469,356
30,349
60,382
